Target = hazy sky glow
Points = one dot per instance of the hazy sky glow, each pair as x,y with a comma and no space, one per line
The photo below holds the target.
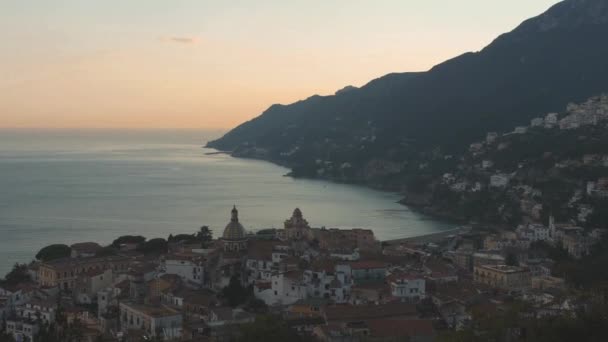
214,64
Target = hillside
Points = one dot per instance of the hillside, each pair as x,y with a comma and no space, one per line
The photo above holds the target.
374,134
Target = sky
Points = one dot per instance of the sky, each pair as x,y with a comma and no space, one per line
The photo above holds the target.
215,64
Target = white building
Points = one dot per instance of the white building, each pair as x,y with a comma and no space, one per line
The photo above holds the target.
499,180
45,311
153,320
407,286
88,284
189,269
331,281
486,164
491,137
534,232
520,130
551,120
537,122
22,330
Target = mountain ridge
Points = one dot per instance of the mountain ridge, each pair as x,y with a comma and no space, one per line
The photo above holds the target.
542,65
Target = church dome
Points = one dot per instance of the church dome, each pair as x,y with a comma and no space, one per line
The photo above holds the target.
234,229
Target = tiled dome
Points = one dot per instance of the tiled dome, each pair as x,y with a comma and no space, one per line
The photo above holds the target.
234,229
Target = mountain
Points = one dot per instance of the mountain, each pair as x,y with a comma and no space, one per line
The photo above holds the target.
375,133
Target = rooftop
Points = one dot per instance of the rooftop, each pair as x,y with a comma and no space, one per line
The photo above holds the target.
150,310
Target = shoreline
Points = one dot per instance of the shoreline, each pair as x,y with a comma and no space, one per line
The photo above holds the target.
416,207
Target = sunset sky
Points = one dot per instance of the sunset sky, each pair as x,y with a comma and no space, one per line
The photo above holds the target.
215,64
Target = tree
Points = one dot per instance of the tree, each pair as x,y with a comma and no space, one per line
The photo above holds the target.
154,246
182,237
19,274
204,235
235,293
135,239
53,252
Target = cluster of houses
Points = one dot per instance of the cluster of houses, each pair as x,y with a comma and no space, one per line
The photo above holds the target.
327,284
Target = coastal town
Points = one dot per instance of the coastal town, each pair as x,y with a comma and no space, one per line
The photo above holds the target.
298,282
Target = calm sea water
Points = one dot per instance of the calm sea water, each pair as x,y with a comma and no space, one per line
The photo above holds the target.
66,186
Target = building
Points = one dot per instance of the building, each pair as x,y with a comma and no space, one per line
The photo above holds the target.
499,180
234,238
296,228
152,320
520,130
43,310
502,276
537,122
534,232
65,272
339,239
551,120
491,137
22,330
487,258
89,283
190,268
368,270
407,286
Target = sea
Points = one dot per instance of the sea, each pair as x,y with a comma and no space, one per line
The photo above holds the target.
67,186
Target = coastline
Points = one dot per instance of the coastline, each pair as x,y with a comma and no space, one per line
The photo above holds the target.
416,206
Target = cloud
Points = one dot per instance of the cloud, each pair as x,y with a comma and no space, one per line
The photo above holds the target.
180,40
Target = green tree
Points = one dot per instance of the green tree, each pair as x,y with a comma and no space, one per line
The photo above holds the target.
53,252
235,294
154,246
205,236
18,274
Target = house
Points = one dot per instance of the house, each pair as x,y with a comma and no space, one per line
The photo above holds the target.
330,280
89,283
362,239
499,180
21,329
368,270
65,272
491,137
551,120
18,294
537,122
189,267
486,164
520,130
263,257
487,258
378,292
406,286
503,276
38,309
152,320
